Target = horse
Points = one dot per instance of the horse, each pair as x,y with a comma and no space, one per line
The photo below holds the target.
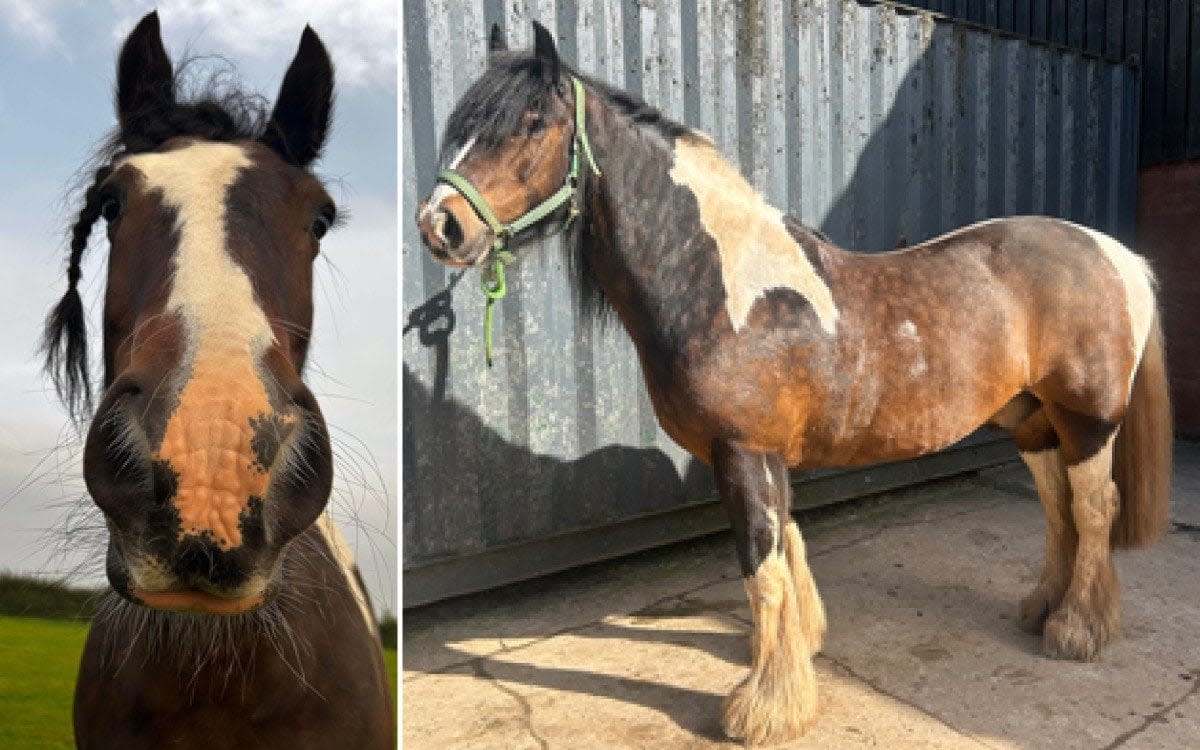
764,346
235,616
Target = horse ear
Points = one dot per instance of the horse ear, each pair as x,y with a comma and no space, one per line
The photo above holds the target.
496,42
544,50
300,120
145,80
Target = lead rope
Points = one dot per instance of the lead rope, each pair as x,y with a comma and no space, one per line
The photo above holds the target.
495,287
493,291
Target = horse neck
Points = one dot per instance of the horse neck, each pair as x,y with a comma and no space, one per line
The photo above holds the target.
652,252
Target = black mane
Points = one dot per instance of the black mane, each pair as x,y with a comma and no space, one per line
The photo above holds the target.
216,110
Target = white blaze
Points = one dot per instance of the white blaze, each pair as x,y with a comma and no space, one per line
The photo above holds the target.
209,289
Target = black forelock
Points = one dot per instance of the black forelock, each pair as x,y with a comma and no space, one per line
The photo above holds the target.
214,108
493,107
514,83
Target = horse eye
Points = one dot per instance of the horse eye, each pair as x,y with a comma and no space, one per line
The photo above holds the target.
110,209
534,123
320,226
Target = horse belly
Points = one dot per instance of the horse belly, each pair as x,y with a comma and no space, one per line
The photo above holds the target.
910,402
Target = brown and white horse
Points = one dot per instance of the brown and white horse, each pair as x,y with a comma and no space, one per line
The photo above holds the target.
237,617
764,346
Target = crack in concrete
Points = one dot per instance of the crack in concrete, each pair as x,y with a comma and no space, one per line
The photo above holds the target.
1186,528
1158,716
522,701
900,699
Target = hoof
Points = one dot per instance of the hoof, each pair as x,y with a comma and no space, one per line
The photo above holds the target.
1070,634
770,710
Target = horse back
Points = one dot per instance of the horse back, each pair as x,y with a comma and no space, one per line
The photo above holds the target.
929,342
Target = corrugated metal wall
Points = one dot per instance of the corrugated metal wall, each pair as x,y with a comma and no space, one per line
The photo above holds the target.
875,125
1164,35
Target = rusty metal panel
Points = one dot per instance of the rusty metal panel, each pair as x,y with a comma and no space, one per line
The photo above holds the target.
877,123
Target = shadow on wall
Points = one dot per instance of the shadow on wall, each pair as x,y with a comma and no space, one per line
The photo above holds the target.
511,494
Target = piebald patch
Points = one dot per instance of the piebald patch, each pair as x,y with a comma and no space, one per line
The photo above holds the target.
345,560
208,437
1137,279
757,252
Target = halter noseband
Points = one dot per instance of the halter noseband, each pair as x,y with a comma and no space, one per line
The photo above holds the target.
568,193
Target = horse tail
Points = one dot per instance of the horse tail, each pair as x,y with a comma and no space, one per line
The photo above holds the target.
1142,453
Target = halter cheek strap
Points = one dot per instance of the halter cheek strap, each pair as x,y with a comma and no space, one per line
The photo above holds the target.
496,288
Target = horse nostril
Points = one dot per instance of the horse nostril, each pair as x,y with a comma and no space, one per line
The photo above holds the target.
451,230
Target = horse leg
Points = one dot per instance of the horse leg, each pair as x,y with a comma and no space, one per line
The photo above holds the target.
777,701
1050,478
1038,444
1089,614
812,611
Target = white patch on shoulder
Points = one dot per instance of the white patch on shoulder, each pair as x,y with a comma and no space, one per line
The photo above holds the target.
211,292
1138,280
757,252
345,560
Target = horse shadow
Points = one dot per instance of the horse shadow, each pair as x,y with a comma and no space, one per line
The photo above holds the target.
469,489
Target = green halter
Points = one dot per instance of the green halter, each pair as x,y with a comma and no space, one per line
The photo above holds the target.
499,255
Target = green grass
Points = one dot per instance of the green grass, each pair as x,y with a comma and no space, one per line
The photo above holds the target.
38,662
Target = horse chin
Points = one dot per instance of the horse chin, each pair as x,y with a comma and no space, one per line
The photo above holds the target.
165,593
196,601
467,255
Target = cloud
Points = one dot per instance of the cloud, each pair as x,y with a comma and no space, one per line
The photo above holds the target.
33,20
361,35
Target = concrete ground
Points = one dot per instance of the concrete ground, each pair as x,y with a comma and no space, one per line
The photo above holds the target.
921,589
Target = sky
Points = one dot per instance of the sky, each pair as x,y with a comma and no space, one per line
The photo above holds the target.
57,67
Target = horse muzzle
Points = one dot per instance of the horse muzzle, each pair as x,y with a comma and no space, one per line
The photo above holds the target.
202,501
451,240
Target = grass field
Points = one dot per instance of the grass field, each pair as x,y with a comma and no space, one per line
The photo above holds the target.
38,661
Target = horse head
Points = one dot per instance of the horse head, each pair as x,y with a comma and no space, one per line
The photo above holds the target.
207,453
511,156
